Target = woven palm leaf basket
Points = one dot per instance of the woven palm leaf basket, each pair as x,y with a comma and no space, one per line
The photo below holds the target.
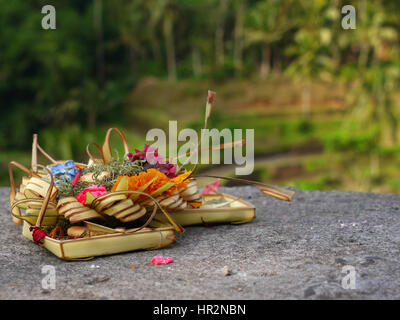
111,205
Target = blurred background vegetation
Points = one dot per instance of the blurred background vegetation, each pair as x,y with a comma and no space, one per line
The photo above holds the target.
323,101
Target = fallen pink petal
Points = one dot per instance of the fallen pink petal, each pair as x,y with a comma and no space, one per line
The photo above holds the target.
212,188
161,260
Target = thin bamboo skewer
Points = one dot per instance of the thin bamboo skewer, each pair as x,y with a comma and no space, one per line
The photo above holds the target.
210,101
34,153
216,147
270,190
46,154
13,190
46,199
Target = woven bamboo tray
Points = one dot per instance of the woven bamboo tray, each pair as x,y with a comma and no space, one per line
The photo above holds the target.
234,211
39,197
86,248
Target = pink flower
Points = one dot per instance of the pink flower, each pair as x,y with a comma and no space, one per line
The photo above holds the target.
94,190
212,188
152,155
149,153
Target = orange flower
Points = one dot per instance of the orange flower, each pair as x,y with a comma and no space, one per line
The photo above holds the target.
195,204
116,184
180,183
145,177
138,181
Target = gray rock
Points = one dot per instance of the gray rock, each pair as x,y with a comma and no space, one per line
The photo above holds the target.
309,292
291,250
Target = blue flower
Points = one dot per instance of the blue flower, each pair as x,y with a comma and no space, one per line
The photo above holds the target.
72,173
68,179
69,164
57,169
64,172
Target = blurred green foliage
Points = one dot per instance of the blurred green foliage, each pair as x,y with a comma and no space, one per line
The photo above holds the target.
71,83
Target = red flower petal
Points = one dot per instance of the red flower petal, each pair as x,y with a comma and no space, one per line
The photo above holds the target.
161,260
37,234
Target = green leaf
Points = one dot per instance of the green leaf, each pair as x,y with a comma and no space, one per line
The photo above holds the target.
162,189
123,184
89,198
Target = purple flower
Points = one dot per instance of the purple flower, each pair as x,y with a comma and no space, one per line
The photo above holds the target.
153,160
148,153
167,168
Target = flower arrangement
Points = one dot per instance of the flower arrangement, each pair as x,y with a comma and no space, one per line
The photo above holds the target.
144,181
110,191
71,200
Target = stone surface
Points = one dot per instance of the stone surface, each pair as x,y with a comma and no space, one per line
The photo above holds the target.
290,251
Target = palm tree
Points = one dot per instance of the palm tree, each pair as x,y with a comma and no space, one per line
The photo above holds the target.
168,31
219,33
311,55
238,34
375,76
266,23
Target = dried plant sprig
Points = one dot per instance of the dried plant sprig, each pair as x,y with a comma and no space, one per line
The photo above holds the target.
115,168
65,189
